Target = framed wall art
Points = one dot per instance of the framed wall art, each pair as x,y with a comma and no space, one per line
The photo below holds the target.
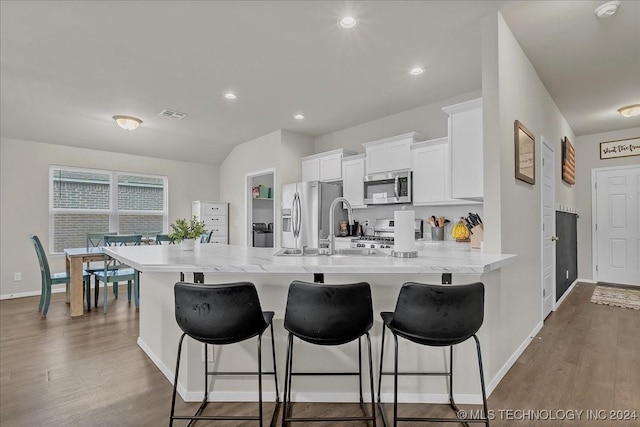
620,148
525,150
568,162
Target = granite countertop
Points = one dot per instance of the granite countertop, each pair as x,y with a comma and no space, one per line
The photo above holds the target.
433,257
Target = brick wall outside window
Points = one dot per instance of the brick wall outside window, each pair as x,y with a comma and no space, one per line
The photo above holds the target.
89,190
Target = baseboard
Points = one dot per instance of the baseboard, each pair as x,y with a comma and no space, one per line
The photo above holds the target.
593,282
566,293
510,362
55,289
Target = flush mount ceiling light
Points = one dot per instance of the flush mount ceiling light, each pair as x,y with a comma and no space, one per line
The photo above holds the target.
607,9
230,95
348,22
299,116
630,110
416,71
127,122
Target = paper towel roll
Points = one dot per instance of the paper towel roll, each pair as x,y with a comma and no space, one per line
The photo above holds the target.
404,231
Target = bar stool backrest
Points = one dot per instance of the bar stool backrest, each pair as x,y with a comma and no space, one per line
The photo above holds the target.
328,314
438,315
219,314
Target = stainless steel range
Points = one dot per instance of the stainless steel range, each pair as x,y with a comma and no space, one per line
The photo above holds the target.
383,233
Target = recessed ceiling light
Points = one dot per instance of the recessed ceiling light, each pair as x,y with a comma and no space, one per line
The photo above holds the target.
630,110
127,122
348,22
416,71
299,116
230,95
607,9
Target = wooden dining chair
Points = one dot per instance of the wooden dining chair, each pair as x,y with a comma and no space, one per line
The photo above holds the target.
49,279
114,271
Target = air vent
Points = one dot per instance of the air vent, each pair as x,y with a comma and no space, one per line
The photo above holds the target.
172,114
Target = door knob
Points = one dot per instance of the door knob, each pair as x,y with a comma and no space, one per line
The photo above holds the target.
554,238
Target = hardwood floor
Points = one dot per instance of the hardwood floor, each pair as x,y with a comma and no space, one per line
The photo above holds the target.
89,371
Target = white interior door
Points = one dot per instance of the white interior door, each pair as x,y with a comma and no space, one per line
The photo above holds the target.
617,225
548,229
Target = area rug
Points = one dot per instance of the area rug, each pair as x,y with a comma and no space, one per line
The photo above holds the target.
619,297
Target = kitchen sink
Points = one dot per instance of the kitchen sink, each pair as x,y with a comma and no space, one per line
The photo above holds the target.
360,252
325,251
299,252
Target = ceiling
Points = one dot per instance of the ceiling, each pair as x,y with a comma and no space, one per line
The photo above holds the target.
68,67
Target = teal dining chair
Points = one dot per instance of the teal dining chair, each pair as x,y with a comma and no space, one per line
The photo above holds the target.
163,238
114,271
49,279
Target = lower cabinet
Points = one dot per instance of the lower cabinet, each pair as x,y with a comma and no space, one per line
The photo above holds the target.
215,216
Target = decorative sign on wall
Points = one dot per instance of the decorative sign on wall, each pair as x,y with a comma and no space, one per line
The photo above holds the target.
525,150
568,162
620,148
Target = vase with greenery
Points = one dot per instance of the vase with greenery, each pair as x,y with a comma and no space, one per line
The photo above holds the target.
186,231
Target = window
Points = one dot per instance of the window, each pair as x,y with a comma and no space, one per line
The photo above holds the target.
92,201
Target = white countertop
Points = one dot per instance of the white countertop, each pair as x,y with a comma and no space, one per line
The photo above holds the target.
433,257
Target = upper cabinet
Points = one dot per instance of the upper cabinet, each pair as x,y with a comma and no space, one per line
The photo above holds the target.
465,138
390,154
431,183
352,180
325,166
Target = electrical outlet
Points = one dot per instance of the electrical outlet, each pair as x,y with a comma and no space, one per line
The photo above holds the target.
17,277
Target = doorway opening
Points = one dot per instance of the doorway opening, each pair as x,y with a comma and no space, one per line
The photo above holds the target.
261,213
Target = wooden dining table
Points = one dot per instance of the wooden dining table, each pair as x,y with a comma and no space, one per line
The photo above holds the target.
75,258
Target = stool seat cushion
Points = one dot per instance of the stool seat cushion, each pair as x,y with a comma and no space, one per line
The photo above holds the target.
326,314
437,315
220,314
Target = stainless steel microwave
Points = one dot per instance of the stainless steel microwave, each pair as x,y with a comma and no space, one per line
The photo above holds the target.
387,188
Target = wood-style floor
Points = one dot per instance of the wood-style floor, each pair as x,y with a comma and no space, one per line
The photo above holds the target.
89,371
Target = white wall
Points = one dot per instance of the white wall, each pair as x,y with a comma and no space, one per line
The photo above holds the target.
24,198
428,120
587,159
512,90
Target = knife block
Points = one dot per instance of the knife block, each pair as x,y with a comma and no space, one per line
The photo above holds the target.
477,236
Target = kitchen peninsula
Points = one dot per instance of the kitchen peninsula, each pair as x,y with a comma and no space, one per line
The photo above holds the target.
158,337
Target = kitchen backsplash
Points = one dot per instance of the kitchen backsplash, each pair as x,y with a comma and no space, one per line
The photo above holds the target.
452,213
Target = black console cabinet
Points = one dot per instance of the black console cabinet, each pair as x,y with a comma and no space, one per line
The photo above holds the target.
566,251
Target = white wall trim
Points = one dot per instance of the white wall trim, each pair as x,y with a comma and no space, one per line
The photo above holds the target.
55,289
566,294
512,360
586,281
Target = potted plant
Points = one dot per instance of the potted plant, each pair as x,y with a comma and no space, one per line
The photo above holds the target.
187,231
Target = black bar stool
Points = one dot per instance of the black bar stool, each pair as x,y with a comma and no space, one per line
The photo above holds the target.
434,315
222,314
328,315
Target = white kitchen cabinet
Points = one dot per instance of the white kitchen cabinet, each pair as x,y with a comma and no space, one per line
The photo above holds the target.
431,171
390,154
431,181
353,180
216,219
325,166
466,141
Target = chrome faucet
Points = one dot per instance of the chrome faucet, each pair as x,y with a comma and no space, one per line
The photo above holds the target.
332,228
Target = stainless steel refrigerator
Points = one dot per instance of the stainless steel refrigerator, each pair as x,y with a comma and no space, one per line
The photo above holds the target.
305,213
